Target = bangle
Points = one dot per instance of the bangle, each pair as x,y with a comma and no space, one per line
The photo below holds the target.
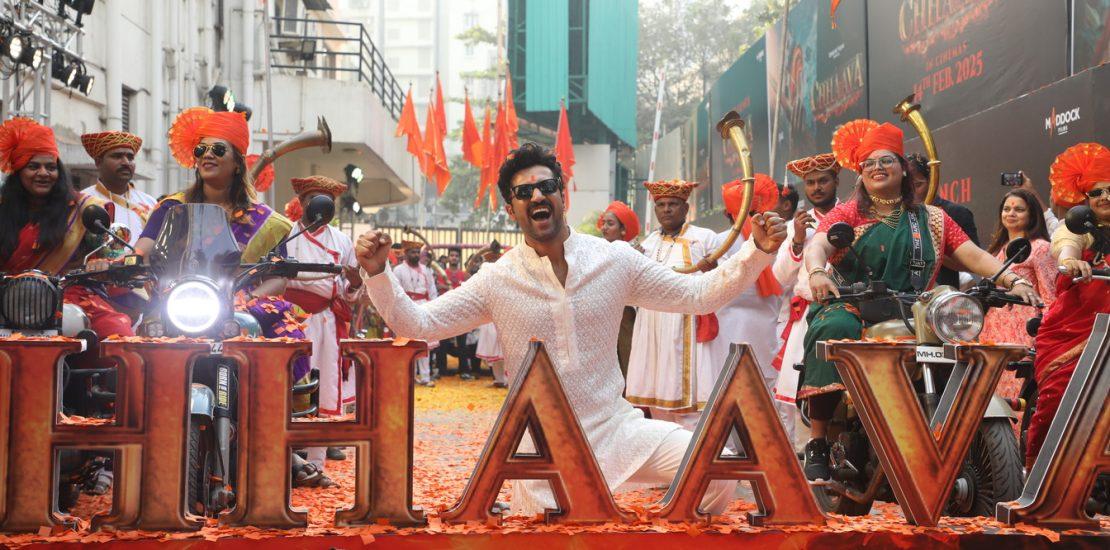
816,270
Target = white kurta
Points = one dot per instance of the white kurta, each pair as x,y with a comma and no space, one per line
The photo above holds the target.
132,208
747,319
578,323
666,362
418,281
328,246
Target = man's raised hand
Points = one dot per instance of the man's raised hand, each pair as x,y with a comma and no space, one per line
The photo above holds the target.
372,251
768,231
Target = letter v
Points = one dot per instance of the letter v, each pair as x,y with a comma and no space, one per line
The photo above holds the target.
920,462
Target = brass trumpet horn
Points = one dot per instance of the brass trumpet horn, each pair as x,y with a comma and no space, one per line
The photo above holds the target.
911,112
321,137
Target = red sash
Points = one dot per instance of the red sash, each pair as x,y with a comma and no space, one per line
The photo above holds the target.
798,307
417,295
707,327
314,303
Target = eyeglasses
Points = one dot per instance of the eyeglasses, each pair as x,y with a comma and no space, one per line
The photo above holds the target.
218,149
885,162
1096,193
547,187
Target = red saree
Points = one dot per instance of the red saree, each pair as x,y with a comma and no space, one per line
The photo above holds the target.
1059,343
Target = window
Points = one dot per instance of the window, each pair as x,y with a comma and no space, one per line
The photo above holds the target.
128,100
289,9
470,19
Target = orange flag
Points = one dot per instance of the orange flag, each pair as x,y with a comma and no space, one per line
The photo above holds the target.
495,154
470,137
441,111
409,126
481,150
512,124
564,148
435,168
833,4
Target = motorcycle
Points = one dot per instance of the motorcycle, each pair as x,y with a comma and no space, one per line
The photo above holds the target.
992,471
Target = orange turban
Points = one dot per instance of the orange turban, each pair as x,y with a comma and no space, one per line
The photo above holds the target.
293,209
766,195
816,163
670,188
197,123
265,178
320,184
627,217
99,143
1076,171
20,140
854,141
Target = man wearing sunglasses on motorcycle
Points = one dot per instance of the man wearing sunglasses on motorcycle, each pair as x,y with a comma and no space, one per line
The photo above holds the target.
570,290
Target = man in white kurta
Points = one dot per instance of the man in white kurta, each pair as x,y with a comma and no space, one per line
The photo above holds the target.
114,154
820,174
667,366
569,290
419,284
326,298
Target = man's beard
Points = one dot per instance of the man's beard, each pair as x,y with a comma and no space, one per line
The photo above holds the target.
412,263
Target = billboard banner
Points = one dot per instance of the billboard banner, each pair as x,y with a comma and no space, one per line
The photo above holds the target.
1090,34
742,88
1022,134
959,57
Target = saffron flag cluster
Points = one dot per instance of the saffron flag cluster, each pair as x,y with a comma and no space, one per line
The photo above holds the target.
484,147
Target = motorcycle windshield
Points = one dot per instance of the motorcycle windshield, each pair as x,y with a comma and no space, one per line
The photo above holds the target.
195,239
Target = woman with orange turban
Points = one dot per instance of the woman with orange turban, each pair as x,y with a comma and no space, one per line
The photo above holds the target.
618,223
899,241
1079,176
40,218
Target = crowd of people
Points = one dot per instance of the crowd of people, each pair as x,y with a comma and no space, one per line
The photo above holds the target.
637,344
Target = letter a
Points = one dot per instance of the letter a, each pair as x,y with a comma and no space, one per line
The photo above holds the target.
740,400
1074,450
563,456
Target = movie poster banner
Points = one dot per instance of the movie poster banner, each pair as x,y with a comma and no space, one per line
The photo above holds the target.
962,56
742,88
791,75
1090,34
1023,134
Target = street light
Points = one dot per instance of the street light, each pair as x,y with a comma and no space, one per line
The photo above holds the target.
83,82
31,56
354,174
62,69
13,46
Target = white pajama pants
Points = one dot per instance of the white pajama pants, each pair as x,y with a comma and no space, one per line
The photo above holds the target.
334,391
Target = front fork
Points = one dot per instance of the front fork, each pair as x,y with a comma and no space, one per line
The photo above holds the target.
221,376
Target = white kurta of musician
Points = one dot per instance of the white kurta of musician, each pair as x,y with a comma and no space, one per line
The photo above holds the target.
328,246
418,281
666,367
132,208
578,324
747,319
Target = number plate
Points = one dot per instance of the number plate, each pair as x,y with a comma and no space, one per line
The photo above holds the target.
931,354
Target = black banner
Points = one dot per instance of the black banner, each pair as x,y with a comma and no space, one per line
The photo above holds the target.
962,56
1022,134
742,88
1090,33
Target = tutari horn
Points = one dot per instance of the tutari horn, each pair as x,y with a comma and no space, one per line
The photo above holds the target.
321,136
731,128
911,112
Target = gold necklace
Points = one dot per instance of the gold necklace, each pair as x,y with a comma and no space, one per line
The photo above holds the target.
886,202
890,220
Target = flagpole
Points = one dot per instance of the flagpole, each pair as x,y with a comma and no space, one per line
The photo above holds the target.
654,148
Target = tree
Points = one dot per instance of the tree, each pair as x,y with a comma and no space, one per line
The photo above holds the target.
692,42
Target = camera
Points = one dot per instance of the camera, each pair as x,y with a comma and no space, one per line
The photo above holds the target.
1013,179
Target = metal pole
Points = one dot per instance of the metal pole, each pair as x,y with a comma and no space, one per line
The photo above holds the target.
778,92
269,88
654,148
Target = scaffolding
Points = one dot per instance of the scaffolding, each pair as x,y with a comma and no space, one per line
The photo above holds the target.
46,26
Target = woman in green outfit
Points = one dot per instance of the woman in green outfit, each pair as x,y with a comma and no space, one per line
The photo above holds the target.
886,219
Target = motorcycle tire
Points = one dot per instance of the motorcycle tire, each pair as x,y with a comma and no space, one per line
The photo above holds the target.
199,451
995,467
832,503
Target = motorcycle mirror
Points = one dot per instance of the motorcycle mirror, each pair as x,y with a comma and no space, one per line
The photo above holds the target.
1018,250
1033,326
1080,220
320,211
95,219
841,235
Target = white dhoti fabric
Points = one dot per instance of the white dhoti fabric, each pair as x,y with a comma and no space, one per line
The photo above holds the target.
419,284
578,322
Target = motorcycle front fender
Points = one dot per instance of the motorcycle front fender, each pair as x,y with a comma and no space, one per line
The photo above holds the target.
202,400
999,408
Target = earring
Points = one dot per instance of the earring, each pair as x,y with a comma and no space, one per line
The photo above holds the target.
903,173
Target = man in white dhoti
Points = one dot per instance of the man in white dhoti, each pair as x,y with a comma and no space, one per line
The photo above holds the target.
327,301
419,284
114,155
570,289
821,177
749,318
667,367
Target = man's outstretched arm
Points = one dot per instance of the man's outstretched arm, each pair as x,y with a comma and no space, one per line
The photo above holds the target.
660,288
454,313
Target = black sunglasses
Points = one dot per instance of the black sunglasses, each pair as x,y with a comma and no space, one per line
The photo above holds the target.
217,149
1096,193
547,187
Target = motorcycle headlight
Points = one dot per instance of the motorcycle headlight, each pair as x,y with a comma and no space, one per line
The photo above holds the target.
30,301
955,317
193,307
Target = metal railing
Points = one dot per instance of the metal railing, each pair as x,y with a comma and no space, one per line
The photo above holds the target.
298,44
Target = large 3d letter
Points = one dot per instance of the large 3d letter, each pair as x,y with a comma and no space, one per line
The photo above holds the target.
563,456
1075,448
148,436
740,401
921,461
381,433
